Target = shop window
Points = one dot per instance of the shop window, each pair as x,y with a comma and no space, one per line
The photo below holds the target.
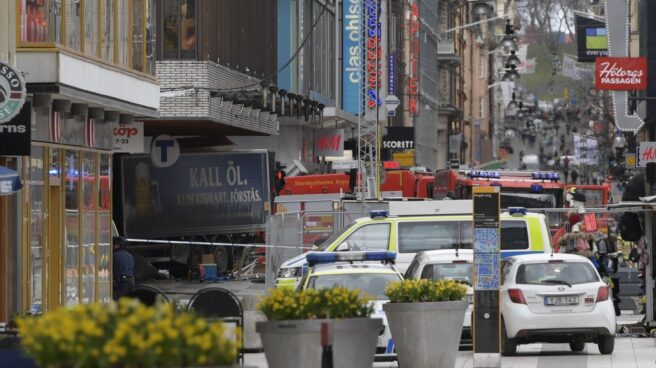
73,31
72,129
88,211
91,27
71,228
105,229
40,20
178,29
150,37
37,229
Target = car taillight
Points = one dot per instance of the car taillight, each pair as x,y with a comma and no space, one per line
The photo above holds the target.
516,296
603,293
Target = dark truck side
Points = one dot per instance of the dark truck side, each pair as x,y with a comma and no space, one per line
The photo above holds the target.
203,198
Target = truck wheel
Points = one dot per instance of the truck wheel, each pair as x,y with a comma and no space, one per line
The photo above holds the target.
222,259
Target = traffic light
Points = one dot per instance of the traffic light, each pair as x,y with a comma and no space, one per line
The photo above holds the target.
280,181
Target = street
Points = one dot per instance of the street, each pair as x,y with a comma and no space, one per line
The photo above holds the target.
630,352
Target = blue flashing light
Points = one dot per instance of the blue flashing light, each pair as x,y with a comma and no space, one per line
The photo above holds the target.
553,176
484,174
330,257
517,211
378,214
537,188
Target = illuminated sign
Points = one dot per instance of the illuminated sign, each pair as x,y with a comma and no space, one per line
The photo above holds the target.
413,74
351,56
592,39
374,53
391,75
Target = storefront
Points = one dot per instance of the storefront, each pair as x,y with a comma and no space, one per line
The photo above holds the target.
87,65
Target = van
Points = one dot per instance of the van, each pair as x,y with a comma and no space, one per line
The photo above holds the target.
521,233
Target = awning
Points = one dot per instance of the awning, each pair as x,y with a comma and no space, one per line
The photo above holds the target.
10,181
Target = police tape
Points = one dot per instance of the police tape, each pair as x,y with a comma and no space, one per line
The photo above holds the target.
191,242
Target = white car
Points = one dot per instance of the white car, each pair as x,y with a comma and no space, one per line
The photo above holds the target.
555,298
450,265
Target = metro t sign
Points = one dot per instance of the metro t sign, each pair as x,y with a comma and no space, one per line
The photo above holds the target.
621,73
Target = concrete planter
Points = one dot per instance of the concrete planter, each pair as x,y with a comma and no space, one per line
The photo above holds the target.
298,343
426,335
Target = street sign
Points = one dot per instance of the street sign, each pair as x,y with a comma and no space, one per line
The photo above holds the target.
391,103
646,153
345,165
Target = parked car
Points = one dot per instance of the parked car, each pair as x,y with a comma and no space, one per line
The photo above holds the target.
555,298
369,272
449,264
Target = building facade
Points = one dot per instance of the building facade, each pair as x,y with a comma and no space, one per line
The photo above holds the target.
87,64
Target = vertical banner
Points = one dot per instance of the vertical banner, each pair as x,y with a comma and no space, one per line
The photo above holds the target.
351,55
413,65
486,319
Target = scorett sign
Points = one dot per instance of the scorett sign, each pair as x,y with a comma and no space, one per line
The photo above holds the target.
621,73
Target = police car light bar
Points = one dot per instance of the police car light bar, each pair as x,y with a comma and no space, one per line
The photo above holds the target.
378,214
517,211
330,257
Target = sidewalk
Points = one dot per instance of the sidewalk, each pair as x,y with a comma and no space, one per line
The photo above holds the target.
630,352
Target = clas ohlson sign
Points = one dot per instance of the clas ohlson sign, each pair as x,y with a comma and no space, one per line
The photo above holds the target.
351,73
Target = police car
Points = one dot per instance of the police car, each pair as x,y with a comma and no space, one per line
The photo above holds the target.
407,234
452,264
369,272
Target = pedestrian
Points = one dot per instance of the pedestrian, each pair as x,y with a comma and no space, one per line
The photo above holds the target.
574,175
123,268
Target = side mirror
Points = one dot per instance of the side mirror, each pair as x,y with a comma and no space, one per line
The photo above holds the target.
344,247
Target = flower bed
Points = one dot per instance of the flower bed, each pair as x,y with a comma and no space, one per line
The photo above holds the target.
126,334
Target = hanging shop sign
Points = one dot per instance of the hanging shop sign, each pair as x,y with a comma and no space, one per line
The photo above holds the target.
374,53
592,39
12,92
391,74
15,135
413,73
398,140
621,73
351,56
329,142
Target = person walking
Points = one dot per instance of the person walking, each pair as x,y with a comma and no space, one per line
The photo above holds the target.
123,268
574,175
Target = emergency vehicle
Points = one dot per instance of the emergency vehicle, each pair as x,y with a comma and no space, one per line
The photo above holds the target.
369,272
518,188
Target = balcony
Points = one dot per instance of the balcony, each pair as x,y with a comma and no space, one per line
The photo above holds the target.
446,51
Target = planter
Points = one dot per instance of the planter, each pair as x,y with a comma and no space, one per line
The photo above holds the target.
426,335
297,343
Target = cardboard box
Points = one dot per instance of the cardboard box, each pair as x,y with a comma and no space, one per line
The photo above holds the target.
207,258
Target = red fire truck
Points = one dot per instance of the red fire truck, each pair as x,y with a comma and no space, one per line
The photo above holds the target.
518,188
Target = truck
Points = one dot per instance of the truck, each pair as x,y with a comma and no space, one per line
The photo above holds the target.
195,210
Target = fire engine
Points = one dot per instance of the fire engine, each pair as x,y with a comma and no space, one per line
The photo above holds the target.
518,188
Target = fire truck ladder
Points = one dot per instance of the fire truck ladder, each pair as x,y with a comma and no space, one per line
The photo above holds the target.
368,130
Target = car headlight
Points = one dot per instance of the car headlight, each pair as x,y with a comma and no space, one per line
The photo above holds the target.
289,272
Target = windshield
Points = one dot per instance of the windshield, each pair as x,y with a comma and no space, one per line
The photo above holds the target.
528,200
326,243
449,271
372,284
566,273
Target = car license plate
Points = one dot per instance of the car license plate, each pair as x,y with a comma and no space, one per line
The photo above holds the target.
561,300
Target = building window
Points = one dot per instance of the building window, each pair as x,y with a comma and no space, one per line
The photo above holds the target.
481,66
178,29
73,27
481,107
123,33
108,27
37,229
40,20
88,212
104,229
72,228
91,27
